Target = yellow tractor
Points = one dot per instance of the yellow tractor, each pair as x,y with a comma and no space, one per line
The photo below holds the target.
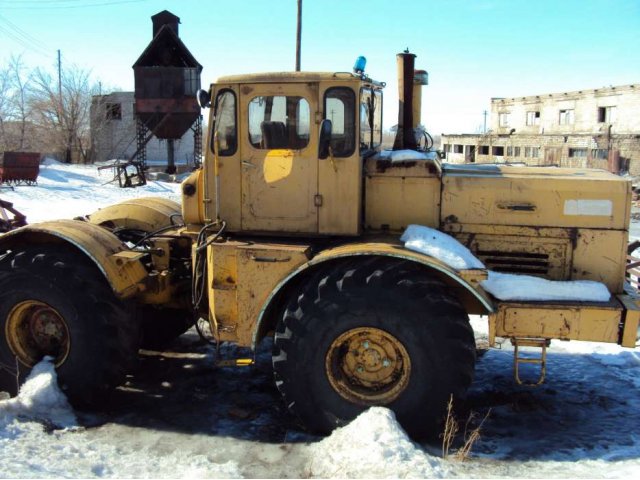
292,229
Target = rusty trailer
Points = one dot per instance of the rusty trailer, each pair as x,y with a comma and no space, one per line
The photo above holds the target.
19,168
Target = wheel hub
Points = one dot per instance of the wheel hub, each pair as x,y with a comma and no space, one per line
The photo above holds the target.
368,366
35,330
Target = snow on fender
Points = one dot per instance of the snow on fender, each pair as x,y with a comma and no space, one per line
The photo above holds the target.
503,286
439,245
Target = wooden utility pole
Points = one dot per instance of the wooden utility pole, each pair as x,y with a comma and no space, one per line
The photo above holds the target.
298,35
60,79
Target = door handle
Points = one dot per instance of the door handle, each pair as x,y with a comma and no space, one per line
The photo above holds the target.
247,163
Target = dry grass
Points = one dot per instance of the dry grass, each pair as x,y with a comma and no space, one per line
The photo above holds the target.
451,428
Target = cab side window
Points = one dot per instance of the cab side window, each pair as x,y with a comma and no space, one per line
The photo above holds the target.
225,123
339,107
370,119
279,121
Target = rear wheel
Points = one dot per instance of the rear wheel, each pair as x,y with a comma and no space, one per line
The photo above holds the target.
55,302
376,332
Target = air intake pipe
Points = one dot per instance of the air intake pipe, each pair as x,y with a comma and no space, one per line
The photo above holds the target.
410,83
405,139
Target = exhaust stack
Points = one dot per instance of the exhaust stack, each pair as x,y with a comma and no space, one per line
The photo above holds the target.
405,138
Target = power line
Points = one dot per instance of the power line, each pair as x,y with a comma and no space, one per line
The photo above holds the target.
23,33
37,5
21,37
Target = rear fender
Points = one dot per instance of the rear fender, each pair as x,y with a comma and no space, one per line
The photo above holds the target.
464,283
121,267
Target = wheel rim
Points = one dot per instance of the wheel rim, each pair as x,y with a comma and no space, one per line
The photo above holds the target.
35,330
368,366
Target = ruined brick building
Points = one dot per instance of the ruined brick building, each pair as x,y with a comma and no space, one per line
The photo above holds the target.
598,128
113,133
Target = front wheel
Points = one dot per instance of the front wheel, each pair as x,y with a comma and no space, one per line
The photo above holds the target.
55,302
376,332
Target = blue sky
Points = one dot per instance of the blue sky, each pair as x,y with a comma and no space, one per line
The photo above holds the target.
473,50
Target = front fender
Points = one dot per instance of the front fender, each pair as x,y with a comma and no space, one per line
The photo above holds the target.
121,267
465,282
146,214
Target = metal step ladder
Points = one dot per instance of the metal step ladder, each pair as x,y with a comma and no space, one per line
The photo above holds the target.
542,344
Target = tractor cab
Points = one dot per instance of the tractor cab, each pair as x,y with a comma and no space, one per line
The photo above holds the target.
266,167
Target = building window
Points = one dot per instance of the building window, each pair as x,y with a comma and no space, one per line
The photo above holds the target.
600,153
484,149
458,149
447,147
498,151
577,153
531,152
191,81
533,118
503,119
566,117
114,111
513,151
606,114
534,152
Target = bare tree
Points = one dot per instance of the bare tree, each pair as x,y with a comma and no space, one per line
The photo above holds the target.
63,110
5,88
19,79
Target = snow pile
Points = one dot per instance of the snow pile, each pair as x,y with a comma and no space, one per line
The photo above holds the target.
372,446
506,286
439,245
70,451
40,399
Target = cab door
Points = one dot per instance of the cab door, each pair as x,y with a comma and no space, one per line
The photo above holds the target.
278,160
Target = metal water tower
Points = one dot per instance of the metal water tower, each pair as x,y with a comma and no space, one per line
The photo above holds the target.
167,78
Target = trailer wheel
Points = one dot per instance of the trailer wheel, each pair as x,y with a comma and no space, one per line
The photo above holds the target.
376,332
161,326
55,302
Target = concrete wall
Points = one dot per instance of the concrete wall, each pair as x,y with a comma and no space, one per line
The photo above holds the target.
583,151
586,141
113,138
585,104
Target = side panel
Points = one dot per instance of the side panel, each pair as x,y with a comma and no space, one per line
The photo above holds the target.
401,195
394,203
241,277
587,322
601,255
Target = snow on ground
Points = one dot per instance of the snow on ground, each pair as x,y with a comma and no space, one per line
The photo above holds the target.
179,416
71,191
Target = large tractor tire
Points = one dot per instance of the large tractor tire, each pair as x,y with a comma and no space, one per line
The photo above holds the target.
55,302
373,332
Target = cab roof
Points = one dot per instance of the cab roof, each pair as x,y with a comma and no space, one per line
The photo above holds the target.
292,77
